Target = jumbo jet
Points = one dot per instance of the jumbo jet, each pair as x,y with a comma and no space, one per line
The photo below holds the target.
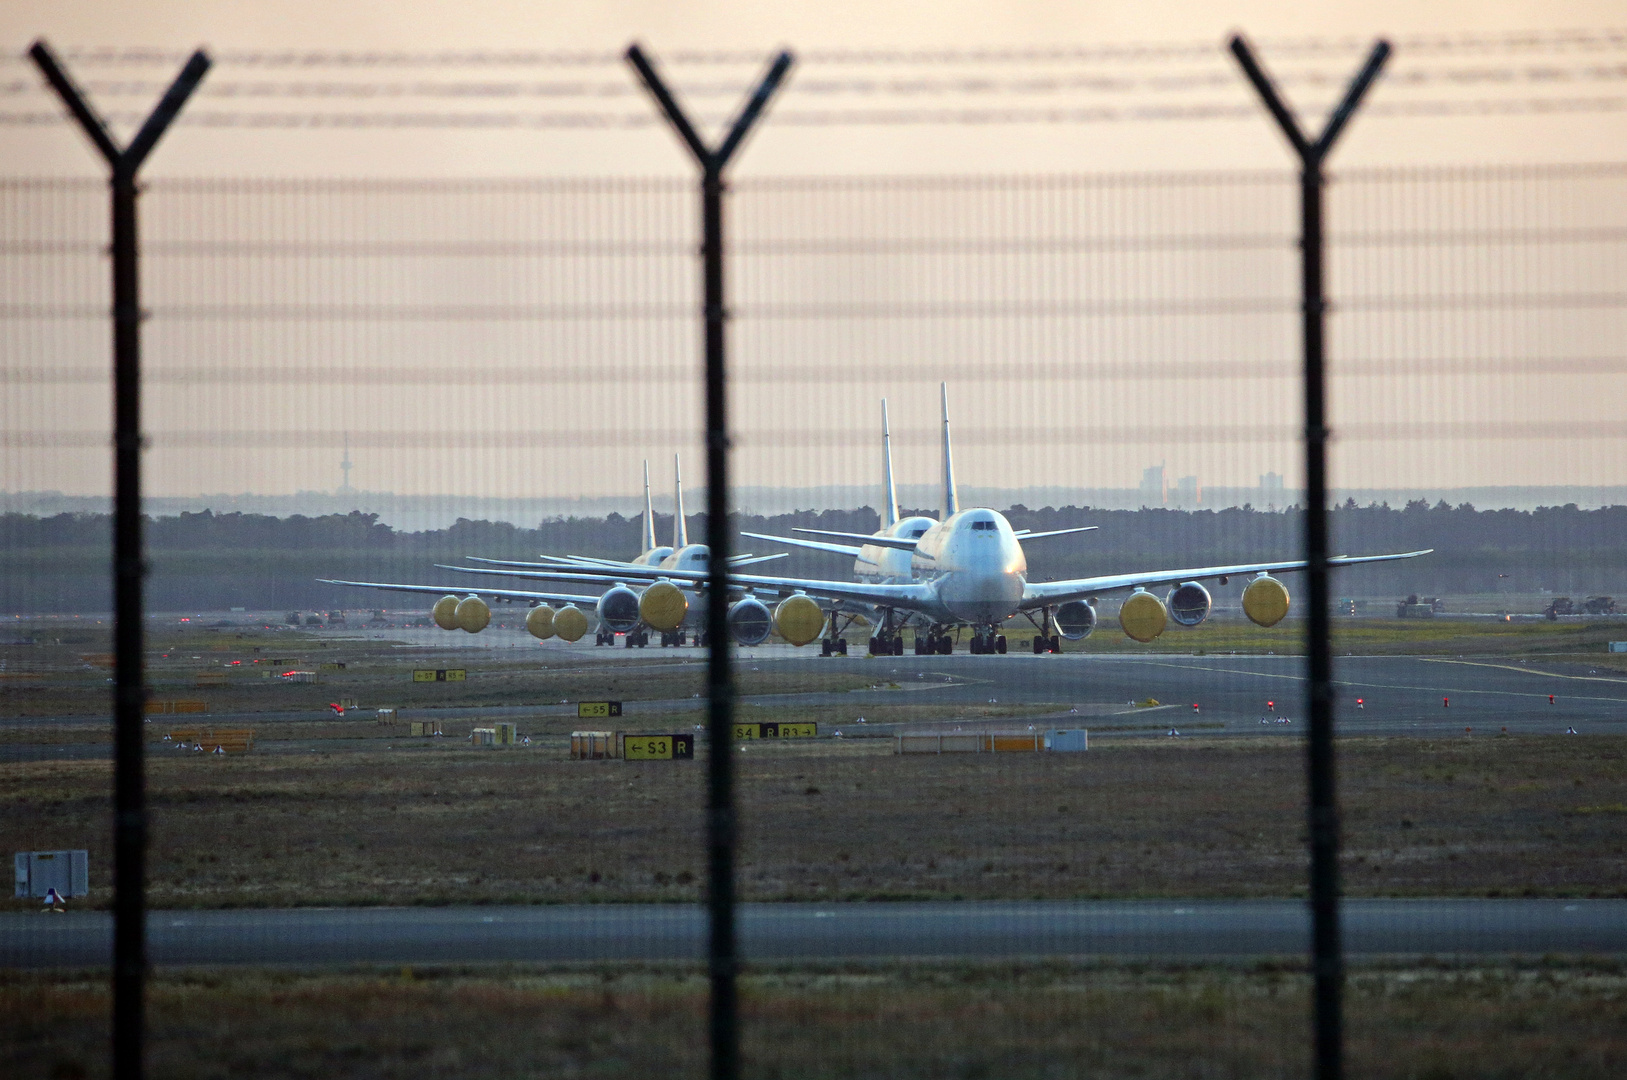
639,599
969,571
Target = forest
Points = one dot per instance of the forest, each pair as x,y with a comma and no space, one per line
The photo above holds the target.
213,562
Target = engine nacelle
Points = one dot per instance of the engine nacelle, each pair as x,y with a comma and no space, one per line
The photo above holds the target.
618,610
1075,620
663,606
570,622
750,621
472,614
799,619
1188,603
1265,601
445,613
539,622
1142,616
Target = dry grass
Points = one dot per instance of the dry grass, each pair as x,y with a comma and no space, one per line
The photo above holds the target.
1003,1020
1488,816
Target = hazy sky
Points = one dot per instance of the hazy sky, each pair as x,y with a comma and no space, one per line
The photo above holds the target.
596,429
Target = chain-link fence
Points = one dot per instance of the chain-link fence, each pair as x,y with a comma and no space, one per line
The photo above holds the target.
394,832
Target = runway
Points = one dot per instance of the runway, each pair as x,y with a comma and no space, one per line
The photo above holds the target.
1164,930
1243,696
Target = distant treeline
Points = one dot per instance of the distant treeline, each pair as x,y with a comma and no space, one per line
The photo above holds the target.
209,562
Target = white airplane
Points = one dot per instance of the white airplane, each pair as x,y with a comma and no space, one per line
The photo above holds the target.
887,557
969,571
639,598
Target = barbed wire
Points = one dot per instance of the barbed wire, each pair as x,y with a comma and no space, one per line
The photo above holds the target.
1433,44
838,117
1044,84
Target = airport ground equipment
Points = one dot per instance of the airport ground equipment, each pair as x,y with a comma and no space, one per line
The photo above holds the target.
38,872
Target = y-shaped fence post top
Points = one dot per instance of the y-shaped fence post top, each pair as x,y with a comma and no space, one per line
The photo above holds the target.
712,161
126,162
1310,153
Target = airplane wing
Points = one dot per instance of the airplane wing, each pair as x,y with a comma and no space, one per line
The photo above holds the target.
463,590
1058,592
862,538
1026,535
811,545
912,597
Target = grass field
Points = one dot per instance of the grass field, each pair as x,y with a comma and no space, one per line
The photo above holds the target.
834,819
1552,1019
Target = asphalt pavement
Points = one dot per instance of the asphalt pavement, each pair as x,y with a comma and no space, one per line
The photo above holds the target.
1168,930
1250,696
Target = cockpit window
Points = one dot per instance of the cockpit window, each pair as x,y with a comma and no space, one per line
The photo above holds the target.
702,556
916,534
983,526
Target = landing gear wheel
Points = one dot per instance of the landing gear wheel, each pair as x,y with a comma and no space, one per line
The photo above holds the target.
1040,644
946,645
841,645
1000,644
898,645
1056,643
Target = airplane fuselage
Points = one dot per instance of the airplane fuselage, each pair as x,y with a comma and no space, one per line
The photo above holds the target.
890,565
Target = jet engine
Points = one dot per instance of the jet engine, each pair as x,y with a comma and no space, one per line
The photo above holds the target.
473,614
570,623
618,609
1142,616
539,621
445,613
750,621
799,619
1075,620
663,606
1265,601
1188,603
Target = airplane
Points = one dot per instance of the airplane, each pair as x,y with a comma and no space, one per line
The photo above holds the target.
887,556
638,600
970,571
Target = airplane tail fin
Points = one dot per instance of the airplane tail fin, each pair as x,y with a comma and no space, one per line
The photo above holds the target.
951,501
649,511
889,512
680,530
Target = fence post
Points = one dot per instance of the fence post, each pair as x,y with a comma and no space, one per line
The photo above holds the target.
129,566
720,833
1327,955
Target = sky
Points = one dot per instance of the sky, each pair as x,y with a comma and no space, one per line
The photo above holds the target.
1548,104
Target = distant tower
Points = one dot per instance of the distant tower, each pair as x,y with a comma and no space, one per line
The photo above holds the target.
1154,489
344,467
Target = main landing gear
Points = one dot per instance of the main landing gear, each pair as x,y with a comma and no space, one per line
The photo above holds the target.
674,639
836,646
886,644
933,643
635,638
1043,644
987,642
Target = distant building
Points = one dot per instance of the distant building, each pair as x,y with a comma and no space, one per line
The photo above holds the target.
1271,491
1188,493
1154,490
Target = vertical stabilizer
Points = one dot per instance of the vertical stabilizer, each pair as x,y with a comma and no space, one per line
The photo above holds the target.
889,512
649,511
951,501
680,531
